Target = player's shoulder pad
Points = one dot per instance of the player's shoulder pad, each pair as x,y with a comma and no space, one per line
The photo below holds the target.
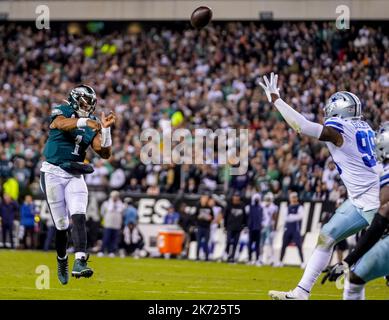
336,123
62,110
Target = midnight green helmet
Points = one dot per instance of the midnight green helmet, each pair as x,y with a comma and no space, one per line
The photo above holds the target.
83,100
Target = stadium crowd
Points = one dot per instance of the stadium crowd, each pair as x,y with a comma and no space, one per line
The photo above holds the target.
148,73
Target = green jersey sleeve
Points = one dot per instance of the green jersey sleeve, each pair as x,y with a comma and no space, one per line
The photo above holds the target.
61,110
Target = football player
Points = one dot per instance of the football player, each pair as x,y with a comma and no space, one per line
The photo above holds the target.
73,128
351,144
374,263
270,212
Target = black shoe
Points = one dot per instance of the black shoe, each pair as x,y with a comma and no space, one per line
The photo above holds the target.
230,260
63,270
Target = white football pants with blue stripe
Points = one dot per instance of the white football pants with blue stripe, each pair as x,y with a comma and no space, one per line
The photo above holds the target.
347,220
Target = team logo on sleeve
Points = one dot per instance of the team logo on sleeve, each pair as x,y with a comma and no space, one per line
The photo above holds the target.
56,112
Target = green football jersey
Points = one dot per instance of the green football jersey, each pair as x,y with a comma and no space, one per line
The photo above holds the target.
65,146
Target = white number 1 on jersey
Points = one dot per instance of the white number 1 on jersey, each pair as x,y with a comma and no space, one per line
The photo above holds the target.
77,146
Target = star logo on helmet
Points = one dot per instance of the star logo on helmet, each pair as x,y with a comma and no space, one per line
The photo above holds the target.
333,99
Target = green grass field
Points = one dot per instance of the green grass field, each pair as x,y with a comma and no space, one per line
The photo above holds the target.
117,278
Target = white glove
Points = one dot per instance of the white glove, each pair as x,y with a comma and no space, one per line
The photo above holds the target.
270,87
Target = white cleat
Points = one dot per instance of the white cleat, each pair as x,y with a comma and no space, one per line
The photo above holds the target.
283,295
259,263
278,265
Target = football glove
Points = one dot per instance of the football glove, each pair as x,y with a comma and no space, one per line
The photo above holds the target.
270,87
333,273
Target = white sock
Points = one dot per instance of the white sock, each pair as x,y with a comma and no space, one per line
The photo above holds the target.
80,255
353,291
316,264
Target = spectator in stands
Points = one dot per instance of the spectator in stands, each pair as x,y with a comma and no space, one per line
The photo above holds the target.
329,175
22,174
239,182
191,186
234,220
204,219
99,177
152,190
5,165
27,221
112,212
173,174
117,178
293,227
8,212
320,192
11,187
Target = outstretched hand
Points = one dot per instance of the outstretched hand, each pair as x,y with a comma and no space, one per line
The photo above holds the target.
109,120
270,87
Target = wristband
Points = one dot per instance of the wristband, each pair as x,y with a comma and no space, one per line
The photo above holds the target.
106,140
81,123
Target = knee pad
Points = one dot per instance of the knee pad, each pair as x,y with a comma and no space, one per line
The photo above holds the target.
61,223
325,241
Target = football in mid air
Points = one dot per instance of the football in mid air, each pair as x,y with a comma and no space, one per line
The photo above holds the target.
201,17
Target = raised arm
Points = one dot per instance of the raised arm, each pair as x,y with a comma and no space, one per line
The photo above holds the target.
68,124
102,142
297,121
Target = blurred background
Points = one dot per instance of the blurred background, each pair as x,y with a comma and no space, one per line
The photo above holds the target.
148,64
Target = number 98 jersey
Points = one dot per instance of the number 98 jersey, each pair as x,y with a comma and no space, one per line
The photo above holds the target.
356,161
65,146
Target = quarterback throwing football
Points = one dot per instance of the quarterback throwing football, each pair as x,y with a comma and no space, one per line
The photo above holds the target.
73,129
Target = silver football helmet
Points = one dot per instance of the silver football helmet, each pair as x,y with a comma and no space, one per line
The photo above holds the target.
343,104
382,142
